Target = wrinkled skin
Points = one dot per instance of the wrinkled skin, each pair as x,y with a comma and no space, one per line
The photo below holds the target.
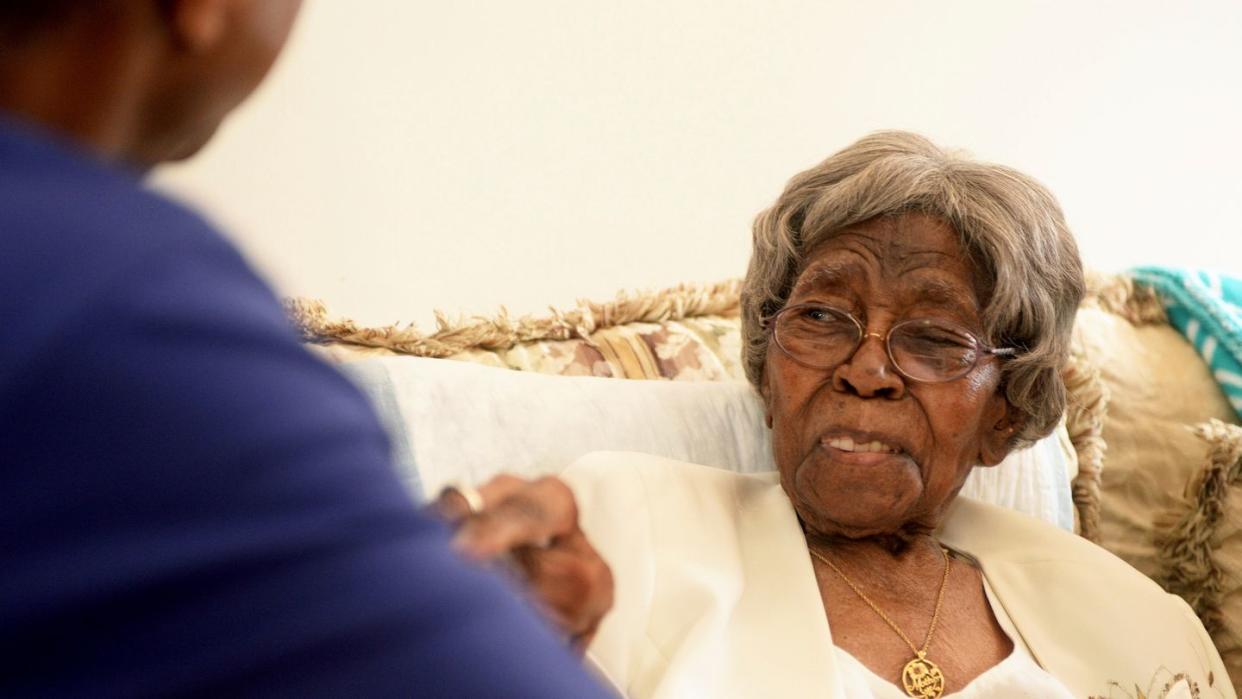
884,272
533,524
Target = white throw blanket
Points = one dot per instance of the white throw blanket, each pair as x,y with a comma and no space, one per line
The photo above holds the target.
456,421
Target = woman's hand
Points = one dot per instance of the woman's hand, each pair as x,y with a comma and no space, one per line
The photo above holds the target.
535,524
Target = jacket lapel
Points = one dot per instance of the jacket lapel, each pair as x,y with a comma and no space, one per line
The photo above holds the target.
1089,619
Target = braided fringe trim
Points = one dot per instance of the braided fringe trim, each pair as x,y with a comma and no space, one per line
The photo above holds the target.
1116,294
1119,295
1085,413
1185,547
502,331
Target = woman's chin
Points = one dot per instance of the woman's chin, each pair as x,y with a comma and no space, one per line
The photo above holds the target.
833,503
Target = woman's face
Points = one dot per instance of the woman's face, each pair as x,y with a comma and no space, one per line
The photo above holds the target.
883,272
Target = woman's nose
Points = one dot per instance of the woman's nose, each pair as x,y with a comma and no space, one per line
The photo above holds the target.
869,373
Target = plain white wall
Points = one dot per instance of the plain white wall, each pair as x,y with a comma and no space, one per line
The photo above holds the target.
406,156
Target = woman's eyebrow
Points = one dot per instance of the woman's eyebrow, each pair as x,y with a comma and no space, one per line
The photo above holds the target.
940,291
824,275
922,289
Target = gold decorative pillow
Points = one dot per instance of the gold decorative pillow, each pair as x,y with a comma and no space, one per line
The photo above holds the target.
1158,388
1201,549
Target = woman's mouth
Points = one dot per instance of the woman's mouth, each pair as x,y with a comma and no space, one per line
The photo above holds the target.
873,447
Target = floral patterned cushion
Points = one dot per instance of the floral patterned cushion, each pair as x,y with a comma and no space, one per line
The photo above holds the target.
689,333
692,349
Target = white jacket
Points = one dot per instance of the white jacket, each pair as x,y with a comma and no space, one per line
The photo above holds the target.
716,596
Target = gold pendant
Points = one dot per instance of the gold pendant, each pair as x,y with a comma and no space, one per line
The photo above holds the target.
922,678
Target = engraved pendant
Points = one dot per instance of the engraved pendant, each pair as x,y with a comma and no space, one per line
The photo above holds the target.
922,678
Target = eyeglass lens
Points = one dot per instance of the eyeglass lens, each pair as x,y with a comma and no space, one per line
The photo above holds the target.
925,350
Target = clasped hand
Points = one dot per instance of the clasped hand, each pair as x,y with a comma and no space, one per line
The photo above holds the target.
534,524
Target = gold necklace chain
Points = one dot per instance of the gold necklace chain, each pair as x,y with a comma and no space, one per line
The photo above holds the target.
920,677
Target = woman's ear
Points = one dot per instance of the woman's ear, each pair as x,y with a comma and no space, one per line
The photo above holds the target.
998,437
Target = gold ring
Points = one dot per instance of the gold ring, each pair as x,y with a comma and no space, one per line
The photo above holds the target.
472,496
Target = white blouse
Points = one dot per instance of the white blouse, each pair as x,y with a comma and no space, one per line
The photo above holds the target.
1016,677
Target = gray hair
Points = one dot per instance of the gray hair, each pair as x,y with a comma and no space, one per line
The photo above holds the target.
1010,226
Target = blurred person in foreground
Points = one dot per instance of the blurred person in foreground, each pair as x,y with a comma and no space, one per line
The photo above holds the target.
190,504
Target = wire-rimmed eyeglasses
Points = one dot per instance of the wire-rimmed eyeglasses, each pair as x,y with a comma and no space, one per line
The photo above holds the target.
928,350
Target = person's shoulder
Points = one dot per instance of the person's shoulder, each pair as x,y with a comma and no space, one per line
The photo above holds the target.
1001,537
75,211
78,232
1091,618
63,206
993,531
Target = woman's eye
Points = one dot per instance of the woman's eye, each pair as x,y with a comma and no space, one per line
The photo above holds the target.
938,340
933,340
818,314
824,316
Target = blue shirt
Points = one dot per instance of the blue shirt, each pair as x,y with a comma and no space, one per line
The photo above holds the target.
192,504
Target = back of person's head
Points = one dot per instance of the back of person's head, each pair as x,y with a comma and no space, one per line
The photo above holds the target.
21,18
24,22
159,75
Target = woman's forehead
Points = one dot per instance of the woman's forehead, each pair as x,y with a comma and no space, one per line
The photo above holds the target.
922,263
894,241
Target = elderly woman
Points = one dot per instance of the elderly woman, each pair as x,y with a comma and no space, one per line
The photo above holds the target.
905,317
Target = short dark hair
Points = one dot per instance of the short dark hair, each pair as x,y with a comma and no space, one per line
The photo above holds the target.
20,18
